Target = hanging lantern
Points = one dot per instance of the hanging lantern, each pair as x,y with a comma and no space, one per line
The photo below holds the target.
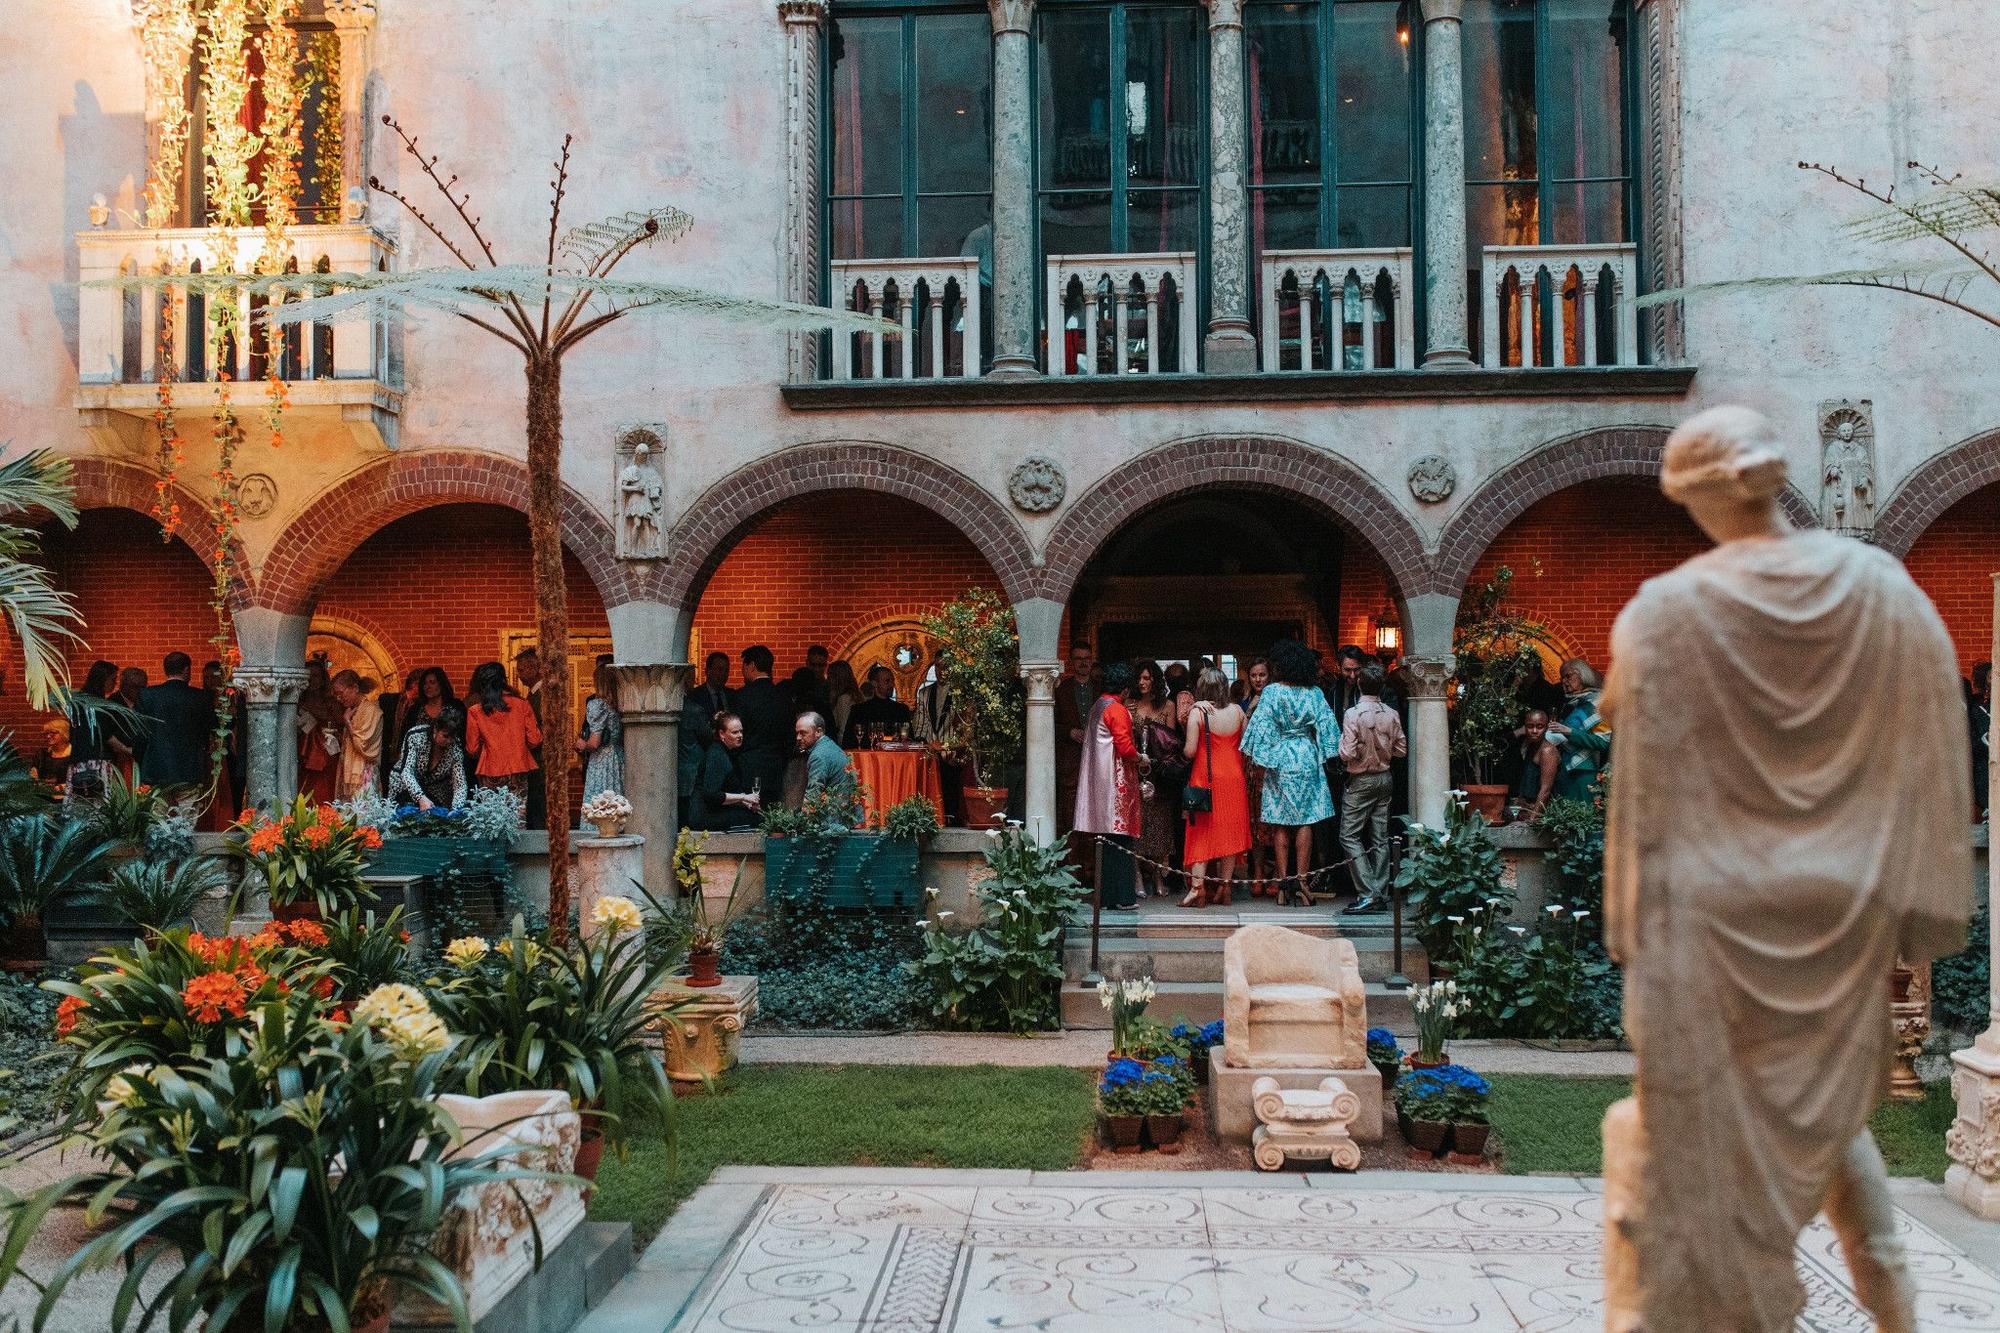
1388,631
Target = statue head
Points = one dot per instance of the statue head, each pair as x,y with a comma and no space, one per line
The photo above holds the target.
1725,467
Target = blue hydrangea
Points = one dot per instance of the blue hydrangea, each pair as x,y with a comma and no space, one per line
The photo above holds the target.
1381,1037
1168,1060
1211,1033
1157,1076
1182,1032
1121,1074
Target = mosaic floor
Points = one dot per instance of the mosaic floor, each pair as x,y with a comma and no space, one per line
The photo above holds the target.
905,1259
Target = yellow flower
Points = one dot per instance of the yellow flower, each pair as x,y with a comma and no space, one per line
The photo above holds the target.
617,913
465,952
505,948
389,1002
416,1035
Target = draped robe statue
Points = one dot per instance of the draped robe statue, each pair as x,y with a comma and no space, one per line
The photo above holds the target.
1787,816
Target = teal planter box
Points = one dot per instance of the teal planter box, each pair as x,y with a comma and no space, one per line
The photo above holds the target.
432,856
863,870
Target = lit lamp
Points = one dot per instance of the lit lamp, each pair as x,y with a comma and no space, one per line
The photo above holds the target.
1388,632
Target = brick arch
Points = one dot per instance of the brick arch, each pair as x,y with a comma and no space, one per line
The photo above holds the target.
1938,483
340,518
1238,462
722,513
107,483
1618,451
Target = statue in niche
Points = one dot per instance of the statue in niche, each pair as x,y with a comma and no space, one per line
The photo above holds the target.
1847,465
1767,860
641,497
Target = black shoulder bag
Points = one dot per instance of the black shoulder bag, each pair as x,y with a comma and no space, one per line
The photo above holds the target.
1200,800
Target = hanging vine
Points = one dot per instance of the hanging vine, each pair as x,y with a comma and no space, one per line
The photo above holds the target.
167,41
323,63
284,116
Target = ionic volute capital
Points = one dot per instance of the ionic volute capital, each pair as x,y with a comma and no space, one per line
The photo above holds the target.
1041,678
1430,678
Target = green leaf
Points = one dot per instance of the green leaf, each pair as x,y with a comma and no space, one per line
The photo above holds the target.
285,1196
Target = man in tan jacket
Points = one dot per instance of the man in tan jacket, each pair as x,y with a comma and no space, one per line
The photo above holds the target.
1371,739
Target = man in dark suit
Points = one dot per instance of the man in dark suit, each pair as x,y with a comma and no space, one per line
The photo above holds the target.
179,724
768,742
528,671
713,695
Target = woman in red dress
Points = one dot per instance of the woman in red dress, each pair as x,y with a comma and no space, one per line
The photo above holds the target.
1220,834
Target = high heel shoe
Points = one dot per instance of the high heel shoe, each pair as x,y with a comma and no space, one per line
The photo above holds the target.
1195,898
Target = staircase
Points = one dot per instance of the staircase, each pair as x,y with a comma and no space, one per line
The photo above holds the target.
1181,949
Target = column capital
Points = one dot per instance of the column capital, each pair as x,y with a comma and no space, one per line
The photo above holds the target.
1443,11
1010,15
652,691
266,686
1224,13
1430,677
803,11
1041,678
351,14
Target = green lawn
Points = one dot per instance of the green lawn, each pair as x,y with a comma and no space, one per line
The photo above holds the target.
852,1115
1547,1125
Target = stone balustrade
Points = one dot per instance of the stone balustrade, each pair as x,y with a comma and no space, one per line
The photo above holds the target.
1337,310
1121,314
1559,305
939,304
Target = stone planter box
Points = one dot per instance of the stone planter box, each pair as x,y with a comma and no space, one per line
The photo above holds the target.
866,870
433,856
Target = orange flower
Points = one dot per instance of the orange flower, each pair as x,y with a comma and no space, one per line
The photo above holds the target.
66,1014
142,790
247,818
208,996
318,836
371,839
326,814
338,1016
303,931
266,839
323,988
268,936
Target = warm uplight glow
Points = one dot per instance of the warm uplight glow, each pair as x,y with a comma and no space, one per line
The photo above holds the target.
1388,633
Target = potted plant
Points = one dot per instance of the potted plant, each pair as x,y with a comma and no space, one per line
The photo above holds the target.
978,658
824,852
607,812
311,857
1494,650
159,895
1122,1099
1164,1091
1436,1005
42,860
1465,1106
1423,1111
1200,1041
1449,872
1386,1055
470,840
1127,1001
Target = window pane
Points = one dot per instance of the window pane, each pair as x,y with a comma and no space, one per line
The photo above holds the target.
959,225
1500,215
1284,220
1161,220
868,229
1372,215
1283,93
1371,87
954,99
1499,89
1162,101
1586,88
1076,224
1588,213
1075,92
867,106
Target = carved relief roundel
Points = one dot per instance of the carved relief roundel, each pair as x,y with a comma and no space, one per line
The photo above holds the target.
1433,479
1037,484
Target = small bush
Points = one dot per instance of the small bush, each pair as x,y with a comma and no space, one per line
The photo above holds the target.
1961,985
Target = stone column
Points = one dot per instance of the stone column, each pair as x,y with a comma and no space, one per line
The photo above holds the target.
1446,341
270,700
1014,277
354,24
649,697
805,21
1040,807
1973,1179
605,868
1230,347
1430,739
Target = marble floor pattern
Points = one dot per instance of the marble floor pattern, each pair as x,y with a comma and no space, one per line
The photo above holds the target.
916,1258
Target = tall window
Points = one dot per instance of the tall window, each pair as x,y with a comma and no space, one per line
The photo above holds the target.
911,142
1122,128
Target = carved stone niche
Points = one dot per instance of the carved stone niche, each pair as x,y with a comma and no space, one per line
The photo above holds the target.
639,489
1847,491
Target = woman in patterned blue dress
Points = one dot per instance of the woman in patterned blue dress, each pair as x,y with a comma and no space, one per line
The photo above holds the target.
1291,737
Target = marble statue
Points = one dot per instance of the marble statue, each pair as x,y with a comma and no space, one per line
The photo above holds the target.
1787,815
641,497
1847,465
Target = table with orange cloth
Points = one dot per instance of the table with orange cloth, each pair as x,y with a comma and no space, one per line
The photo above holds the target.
896,775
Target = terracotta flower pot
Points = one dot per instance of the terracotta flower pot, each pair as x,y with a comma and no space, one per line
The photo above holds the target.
305,909
1417,1061
1488,800
589,1153
704,967
1122,1131
1427,1137
1468,1143
985,807
23,946
1165,1131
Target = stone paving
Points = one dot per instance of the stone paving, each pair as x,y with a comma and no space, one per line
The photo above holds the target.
904,1251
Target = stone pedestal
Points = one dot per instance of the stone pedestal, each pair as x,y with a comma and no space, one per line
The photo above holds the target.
605,868
1973,1179
698,1042
1306,1124
1040,808
1231,1093
650,696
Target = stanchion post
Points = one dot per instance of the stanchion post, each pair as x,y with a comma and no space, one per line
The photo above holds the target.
1396,980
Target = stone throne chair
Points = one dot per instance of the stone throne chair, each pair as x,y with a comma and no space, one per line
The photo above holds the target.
1293,1009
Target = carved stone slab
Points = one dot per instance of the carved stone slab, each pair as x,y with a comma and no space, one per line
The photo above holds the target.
1847,465
639,490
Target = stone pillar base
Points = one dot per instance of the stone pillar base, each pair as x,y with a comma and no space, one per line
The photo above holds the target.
1973,1180
1012,368
1229,350
605,868
699,1042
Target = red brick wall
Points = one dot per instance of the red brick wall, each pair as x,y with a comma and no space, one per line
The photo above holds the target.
811,571
438,587
1954,562
1596,542
1364,591
140,600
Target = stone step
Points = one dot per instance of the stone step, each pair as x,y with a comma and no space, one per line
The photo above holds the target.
1200,958
1201,1002
1217,923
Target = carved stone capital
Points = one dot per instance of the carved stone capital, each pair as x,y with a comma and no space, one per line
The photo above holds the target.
803,11
351,14
1011,15
269,686
652,691
1224,13
1443,11
1041,678
1430,678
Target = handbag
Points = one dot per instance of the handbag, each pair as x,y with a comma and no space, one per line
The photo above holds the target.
1201,800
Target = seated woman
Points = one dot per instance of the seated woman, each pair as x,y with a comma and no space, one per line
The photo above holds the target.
430,772
722,798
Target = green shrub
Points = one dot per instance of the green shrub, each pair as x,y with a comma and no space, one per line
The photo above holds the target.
1575,830
821,968
1449,872
1004,973
1961,985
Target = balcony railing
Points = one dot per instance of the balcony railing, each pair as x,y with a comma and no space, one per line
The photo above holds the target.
1337,310
938,303
118,329
1559,305
1121,314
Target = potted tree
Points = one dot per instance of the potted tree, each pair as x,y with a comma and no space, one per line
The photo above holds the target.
978,665
1495,652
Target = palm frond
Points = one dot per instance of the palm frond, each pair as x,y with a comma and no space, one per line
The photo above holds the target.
41,617
1954,208
40,480
1938,282
595,246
